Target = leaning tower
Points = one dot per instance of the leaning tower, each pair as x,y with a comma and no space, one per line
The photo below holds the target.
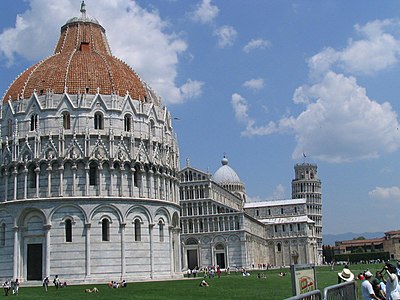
307,185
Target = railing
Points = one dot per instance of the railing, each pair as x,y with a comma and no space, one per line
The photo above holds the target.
341,291
313,295
345,290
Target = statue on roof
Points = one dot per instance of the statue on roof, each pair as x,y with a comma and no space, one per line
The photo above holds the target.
83,8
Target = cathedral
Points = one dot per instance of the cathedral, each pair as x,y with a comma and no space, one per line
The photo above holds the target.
91,188
220,228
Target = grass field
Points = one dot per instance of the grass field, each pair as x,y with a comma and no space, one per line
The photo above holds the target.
232,286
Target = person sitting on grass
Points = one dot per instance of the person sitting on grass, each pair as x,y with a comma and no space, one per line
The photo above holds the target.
204,283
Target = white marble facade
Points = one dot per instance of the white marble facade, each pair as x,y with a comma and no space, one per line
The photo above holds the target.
220,228
88,177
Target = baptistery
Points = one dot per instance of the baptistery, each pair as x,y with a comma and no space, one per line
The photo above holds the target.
89,168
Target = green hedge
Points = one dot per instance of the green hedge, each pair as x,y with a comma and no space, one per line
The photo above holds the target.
364,256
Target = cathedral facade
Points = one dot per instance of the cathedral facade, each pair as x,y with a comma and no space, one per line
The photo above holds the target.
89,168
220,228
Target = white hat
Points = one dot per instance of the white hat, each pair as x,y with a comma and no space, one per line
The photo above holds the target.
346,275
368,274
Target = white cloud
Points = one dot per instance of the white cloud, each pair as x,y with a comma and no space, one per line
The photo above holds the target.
192,88
377,50
279,192
226,36
382,193
205,12
241,108
35,34
341,124
256,44
254,84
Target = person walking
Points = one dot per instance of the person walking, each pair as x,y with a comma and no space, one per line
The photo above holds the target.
367,291
46,283
16,287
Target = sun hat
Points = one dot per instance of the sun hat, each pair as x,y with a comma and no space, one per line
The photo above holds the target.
346,275
368,274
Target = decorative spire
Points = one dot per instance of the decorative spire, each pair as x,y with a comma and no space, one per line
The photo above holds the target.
224,160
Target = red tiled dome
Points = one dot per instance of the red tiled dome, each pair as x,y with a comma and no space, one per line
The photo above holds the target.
81,63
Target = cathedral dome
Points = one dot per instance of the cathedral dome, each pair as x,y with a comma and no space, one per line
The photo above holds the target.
225,174
82,63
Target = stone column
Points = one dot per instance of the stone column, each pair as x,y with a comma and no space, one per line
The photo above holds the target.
37,171
151,226
87,184
25,183
155,176
100,190
87,241
15,173
227,256
6,185
74,179
123,258
49,169
48,243
112,169
171,249
16,253
140,183
61,170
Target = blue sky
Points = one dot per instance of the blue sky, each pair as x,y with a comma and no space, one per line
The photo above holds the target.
262,81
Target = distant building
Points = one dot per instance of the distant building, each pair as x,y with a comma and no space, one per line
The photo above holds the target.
391,243
388,243
220,228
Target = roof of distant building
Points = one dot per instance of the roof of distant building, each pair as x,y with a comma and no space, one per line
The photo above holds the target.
275,203
225,174
289,219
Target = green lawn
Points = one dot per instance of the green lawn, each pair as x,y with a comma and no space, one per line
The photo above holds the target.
232,286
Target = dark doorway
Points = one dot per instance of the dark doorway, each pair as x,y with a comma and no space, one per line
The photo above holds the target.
34,262
192,259
221,260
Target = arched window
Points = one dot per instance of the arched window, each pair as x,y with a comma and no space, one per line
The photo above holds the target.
32,177
34,122
127,122
136,177
279,247
9,128
68,230
3,234
161,230
138,231
98,121
66,120
105,230
152,128
93,174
